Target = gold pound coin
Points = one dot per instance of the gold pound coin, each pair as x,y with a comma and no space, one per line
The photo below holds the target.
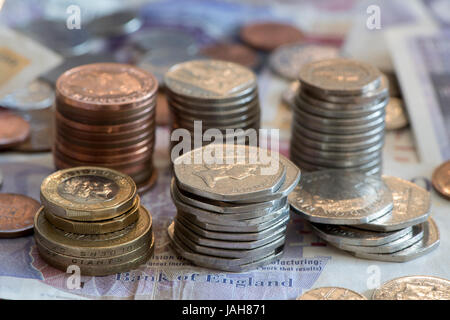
96,227
88,193
94,245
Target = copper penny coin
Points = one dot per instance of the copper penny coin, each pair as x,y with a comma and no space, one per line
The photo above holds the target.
41,131
233,52
162,109
17,213
441,179
268,36
147,185
13,130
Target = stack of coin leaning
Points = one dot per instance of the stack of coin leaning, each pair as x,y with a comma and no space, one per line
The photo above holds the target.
232,212
339,116
218,94
385,219
105,116
92,218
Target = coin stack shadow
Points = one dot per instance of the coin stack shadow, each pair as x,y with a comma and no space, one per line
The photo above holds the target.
105,116
92,218
384,219
222,95
240,231
339,116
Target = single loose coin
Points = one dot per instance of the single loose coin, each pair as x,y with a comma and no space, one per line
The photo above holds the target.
16,215
13,130
414,288
268,36
340,197
232,52
331,293
441,179
395,114
88,193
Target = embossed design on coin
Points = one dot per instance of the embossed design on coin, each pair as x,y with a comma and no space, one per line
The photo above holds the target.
16,215
331,293
441,179
90,189
212,174
209,79
414,288
340,197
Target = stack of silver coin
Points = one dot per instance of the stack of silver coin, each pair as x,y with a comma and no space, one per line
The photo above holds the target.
385,219
339,116
232,213
217,94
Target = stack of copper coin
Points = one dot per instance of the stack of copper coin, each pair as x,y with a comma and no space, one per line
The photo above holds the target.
105,116
213,94
92,217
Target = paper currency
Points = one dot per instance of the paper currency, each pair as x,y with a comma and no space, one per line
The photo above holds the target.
22,60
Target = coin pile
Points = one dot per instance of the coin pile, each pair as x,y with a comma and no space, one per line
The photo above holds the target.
105,116
339,116
92,217
232,212
218,94
385,219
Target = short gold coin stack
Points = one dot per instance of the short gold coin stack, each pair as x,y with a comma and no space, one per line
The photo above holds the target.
92,217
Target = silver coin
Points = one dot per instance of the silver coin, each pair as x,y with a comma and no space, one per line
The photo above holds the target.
340,76
225,207
401,243
156,39
374,168
241,174
340,197
429,242
189,123
250,255
226,264
395,114
289,95
331,293
36,95
116,24
210,80
411,206
287,60
232,236
357,237
251,226
414,288
223,244
369,97
300,159
338,138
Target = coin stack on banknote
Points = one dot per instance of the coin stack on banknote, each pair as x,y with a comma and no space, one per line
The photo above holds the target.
105,116
213,94
385,219
232,212
92,217
339,116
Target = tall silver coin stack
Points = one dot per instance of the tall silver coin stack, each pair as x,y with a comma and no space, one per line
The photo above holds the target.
385,219
222,95
231,215
339,116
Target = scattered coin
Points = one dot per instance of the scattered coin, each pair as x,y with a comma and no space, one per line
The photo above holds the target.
395,114
331,293
232,52
340,197
164,39
414,288
288,60
267,36
16,215
441,179
36,95
13,130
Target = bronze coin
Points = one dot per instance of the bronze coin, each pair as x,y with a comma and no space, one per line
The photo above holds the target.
233,52
13,130
441,179
162,109
102,86
268,36
17,215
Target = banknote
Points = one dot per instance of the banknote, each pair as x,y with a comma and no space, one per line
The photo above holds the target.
440,10
22,60
421,62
